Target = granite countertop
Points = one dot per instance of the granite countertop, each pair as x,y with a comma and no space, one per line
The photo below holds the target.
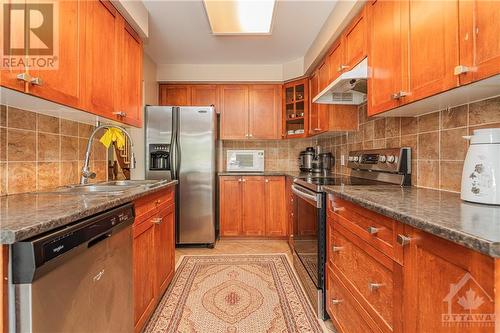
265,173
439,213
26,215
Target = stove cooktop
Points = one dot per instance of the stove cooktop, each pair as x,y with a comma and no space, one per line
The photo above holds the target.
316,183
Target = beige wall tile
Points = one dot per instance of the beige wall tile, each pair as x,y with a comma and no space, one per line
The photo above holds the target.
69,173
3,178
428,146
368,131
69,148
21,145
454,117
69,127
84,130
49,147
451,175
428,174
392,127
409,125
20,119
48,175
410,141
379,129
21,177
453,145
3,116
3,144
48,124
428,122
487,111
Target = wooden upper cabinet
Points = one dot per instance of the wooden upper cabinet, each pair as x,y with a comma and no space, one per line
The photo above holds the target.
314,108
355,40
432,31
175,95
234,112
63,84
324,75
479,39
129,77
253,203
385,55
101,46
264,111
275,205
205,95
336,61
230,205
432,268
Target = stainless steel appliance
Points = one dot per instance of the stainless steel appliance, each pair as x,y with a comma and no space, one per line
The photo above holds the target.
183,141
77,278
371,167
245,160
327,161
305,159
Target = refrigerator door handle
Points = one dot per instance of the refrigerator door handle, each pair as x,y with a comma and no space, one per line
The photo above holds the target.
174,151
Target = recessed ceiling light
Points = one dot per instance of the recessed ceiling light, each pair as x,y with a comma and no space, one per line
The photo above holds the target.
240,17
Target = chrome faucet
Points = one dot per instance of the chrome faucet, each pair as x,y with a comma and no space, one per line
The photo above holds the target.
86,173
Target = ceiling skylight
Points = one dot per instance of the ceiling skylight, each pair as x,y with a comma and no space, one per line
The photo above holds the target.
240,17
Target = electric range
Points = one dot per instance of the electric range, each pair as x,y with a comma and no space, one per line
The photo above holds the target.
369,167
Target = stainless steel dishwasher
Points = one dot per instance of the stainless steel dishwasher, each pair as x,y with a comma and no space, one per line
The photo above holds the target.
78,278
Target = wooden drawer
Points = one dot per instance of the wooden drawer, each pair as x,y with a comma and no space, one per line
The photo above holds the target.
372,277
345,312
378,230
146,206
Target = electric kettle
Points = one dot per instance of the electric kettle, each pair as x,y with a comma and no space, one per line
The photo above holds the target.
481,172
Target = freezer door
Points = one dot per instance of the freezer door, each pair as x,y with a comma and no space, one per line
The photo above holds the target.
158,131
196,164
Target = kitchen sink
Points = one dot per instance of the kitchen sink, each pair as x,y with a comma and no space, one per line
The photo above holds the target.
114,187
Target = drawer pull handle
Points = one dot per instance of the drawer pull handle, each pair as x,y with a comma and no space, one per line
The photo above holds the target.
157,220
403,240
337,301
158,201
373,230
338,209
337,248
374,286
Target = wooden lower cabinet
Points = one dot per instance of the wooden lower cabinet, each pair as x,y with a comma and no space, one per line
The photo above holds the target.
436,285
154,252
252,206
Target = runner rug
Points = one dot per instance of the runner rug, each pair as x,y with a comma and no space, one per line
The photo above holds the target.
234,293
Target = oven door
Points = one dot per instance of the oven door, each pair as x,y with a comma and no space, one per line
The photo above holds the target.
306,231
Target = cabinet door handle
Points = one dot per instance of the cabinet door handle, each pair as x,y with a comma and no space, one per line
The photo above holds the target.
36,81
338,209
267,180
157,220
337,248
24,77
399,95
342,67
243,180
337,301
461,69
373,230
120,114
403,240
374,286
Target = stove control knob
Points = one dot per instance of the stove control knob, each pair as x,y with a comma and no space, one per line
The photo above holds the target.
356,158
391,159
350,158
382,158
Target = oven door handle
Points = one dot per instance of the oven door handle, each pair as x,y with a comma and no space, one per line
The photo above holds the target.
306,194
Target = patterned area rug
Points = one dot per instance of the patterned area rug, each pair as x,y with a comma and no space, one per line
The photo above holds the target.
234,294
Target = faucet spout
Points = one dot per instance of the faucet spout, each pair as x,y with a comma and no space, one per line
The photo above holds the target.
86,173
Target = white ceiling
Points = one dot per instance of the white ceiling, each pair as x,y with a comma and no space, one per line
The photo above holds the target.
179,33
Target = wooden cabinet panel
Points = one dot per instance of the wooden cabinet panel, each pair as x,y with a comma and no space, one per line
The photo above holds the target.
144,272
165,252
253,203
63,84
486,38
264,111
314,108
205,95
437,274
234,112
336,60
175,95
384,55
289,207
102,33
275,205
433,49
324,75
129,77
354,41
230,205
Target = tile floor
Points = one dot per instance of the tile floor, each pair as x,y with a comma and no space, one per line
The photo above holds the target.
243,246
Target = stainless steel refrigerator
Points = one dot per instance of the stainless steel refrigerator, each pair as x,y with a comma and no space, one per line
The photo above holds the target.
181,145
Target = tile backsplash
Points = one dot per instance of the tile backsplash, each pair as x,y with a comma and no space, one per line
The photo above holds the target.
436,139
39,152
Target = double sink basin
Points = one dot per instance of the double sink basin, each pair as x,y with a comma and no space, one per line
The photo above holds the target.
110,187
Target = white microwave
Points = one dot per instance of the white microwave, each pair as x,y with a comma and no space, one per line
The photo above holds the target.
245,160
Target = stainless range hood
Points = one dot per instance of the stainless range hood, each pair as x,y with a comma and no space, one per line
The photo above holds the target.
349,88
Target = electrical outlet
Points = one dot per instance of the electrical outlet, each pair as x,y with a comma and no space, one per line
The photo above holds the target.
342,159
